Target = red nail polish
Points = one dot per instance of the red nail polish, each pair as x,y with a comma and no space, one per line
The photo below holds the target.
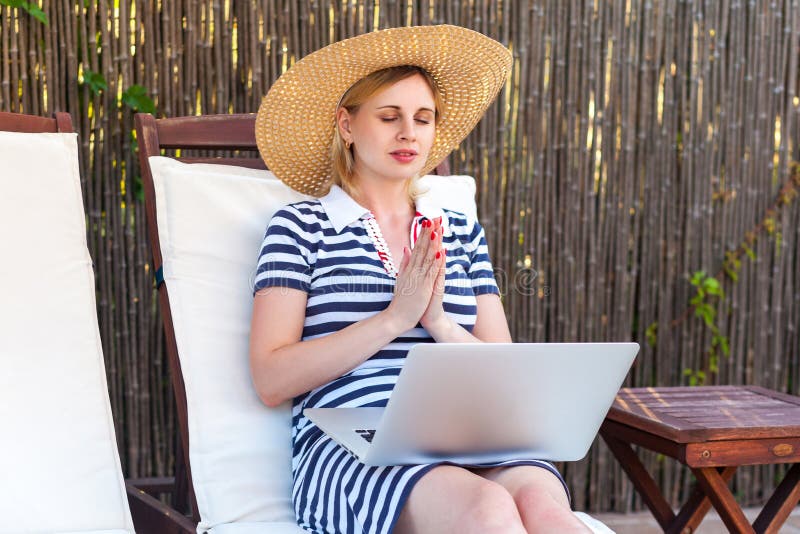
433,235
438,255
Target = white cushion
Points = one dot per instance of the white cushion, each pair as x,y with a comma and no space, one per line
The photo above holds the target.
594,525
211,223
59,463
453,192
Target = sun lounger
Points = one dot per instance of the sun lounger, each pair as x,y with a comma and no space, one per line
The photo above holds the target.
59,464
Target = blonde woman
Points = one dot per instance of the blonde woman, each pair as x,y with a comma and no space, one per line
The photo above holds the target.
346,284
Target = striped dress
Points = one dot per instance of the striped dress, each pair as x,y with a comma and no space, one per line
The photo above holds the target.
332,249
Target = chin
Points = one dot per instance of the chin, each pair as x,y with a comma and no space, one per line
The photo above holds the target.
402,175
409,172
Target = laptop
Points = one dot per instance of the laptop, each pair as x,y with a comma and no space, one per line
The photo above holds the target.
475,403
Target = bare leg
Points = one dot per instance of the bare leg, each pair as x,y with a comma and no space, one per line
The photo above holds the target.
452,499
540,498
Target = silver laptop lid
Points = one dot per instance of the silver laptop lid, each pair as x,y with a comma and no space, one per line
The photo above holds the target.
482,400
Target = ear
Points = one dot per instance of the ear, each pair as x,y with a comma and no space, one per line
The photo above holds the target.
343,123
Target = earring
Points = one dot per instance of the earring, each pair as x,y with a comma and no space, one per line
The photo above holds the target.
347,144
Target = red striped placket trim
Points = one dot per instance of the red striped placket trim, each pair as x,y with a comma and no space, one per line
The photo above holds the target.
385,255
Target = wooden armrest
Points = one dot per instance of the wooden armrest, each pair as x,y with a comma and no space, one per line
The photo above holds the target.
151,515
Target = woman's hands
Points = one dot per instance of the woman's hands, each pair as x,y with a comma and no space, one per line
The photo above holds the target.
420,280
434,315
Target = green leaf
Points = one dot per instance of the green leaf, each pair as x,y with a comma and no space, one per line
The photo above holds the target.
697,278
726,349
29,7
135,97
95,81
749,252
38,14
138,188
732,274
712,286
721,342
651,334
707,313
696,378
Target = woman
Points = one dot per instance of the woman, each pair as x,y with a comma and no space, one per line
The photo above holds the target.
334,315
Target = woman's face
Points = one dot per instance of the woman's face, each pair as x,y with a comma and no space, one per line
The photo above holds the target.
392,132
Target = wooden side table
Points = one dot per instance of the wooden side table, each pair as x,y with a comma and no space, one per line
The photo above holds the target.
712,430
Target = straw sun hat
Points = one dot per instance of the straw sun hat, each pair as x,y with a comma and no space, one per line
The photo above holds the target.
296,120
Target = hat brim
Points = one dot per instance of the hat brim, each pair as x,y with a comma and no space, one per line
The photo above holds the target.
296,119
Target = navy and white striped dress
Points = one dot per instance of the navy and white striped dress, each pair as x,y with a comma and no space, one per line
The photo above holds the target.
329,248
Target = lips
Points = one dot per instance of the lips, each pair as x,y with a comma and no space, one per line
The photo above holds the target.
404,155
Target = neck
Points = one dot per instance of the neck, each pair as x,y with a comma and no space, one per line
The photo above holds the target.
384,198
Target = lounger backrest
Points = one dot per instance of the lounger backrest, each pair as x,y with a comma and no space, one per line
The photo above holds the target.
211,219
59,466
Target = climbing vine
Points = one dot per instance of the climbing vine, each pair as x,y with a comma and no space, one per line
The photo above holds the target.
709,291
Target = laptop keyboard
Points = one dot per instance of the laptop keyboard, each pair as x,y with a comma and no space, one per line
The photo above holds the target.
365,433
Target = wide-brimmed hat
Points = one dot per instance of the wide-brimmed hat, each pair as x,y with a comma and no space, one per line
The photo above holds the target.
296,120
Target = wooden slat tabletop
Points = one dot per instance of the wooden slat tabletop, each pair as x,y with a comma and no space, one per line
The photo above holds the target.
708,413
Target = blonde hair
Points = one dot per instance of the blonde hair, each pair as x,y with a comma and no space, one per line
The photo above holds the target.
353,98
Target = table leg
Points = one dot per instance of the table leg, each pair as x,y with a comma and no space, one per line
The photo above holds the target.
641,479
780,504
696,507
715,487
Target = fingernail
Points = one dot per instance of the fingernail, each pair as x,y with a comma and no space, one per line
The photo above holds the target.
433,235
438,255
426,223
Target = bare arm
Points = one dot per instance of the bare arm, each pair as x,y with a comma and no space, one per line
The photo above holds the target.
490,325
284,367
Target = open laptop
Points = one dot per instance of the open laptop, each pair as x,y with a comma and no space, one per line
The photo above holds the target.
473,403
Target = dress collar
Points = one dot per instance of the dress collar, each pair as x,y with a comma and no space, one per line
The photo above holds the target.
343,210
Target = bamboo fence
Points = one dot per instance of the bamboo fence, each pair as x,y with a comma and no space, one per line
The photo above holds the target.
635,144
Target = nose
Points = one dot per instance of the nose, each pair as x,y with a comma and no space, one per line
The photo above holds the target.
408,130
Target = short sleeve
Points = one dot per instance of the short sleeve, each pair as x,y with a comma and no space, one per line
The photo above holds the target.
480,271
285,253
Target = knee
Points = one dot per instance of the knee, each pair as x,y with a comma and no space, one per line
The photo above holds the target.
540,505
490,509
